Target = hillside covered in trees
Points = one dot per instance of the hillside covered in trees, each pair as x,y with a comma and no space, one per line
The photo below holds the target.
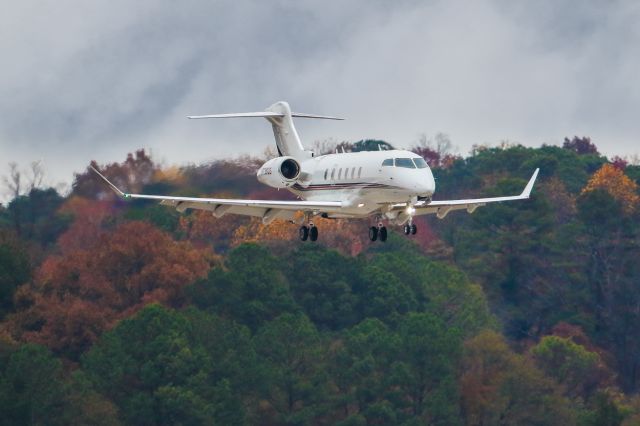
115,312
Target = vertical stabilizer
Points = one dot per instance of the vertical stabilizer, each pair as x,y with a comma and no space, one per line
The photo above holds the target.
287,139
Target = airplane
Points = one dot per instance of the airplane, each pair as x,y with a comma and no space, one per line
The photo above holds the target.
390,186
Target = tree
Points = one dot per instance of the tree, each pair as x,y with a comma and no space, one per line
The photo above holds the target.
610,275
250,290
569,363
152,369
438,288
15,270
359,365
289,351
425,368
31,387
498,386
35,217
131,175
437,151
325,293
383,295
81,293
580,145
14,181
371,145
613,180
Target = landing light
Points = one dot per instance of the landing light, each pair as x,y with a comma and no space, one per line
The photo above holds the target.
410,210
361,205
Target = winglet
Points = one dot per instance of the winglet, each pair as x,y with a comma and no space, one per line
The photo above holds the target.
115,188
527,189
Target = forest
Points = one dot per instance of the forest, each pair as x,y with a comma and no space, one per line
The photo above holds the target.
118,312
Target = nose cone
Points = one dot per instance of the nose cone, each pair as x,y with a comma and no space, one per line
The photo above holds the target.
427,184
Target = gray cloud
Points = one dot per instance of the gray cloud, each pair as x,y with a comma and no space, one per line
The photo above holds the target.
94,80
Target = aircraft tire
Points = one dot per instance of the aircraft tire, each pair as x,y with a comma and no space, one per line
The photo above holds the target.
313,233
414,229
373,233
382,234
407,230
303,233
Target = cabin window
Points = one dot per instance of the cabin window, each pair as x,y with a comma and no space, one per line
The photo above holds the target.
405,162
388,162
359,172
340,173
420,163
325,174
353,172
333,173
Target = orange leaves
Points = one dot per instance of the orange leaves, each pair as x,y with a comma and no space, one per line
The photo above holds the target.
348,236
81,293
613,180
87,226
204,230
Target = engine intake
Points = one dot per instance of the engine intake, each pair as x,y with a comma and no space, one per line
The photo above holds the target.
290,169
280,172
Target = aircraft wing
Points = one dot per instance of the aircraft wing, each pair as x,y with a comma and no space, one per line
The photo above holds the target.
268,210
442,208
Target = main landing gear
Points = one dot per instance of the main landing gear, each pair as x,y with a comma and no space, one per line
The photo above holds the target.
308,232
378,233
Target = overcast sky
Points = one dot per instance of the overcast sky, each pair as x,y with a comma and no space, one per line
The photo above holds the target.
83,80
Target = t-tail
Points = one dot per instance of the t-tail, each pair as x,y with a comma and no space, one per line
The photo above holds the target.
281,119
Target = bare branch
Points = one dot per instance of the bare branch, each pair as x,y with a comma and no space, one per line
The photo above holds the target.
36,175
14,181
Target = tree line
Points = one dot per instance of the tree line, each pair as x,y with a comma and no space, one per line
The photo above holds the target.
130,313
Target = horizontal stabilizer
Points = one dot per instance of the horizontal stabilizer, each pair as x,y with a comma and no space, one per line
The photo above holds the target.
263,114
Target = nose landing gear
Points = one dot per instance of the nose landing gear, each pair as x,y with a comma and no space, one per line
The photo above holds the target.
410,229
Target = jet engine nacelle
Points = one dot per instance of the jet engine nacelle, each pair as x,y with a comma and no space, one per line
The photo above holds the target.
280,172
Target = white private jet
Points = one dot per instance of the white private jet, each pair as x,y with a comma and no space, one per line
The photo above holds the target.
391,185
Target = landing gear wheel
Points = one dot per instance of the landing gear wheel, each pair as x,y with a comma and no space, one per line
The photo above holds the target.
382,234
373,233
414,229
313,233
407,230
303,233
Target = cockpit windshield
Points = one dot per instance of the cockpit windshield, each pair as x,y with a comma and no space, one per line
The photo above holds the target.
420,163
405,162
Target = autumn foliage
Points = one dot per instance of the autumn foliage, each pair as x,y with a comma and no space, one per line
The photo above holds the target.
77,295
128,312
613,180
